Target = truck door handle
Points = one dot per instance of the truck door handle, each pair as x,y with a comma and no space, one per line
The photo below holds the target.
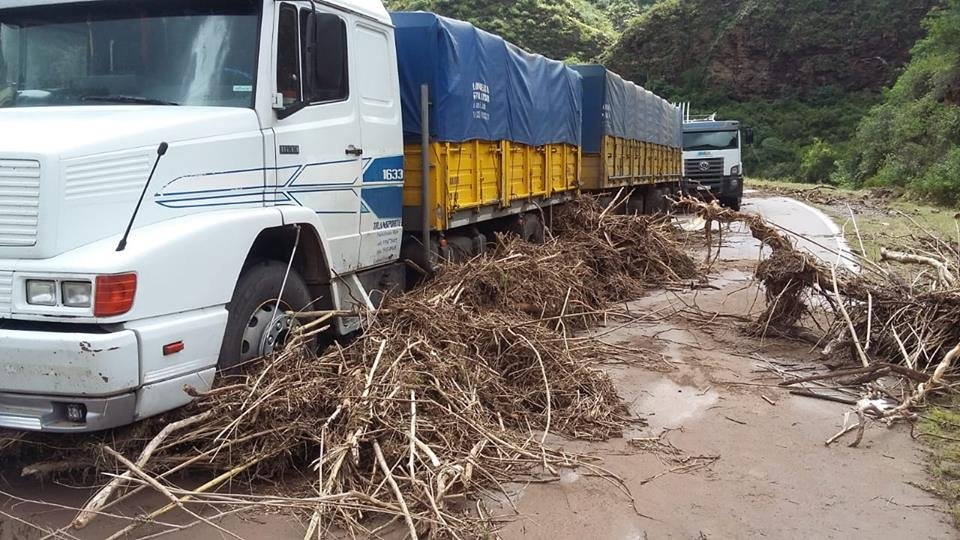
354,151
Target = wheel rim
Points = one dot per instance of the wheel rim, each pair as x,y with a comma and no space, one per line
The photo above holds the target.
266,331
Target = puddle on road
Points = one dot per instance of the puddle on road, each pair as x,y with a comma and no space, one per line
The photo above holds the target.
667,405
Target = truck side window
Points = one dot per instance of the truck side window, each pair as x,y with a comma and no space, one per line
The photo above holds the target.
288,55
324,57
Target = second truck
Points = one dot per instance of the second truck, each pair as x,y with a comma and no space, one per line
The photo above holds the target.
713,159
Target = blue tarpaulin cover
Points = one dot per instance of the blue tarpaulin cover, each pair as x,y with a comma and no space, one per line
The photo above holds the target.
613,106
481,87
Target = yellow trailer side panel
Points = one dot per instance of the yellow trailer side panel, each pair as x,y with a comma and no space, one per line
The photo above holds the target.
477,175
592,173
627,162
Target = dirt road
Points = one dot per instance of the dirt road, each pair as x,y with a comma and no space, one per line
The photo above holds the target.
724,453
708,396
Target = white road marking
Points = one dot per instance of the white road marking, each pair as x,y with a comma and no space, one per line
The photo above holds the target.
845,256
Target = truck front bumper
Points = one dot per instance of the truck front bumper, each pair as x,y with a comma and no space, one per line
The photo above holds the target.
721,187
52,413
54,378
45,375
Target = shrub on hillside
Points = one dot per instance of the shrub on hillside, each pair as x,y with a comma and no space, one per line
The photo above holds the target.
819,162
912,139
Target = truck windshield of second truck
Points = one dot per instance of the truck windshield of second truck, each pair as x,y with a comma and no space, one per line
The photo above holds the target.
175,52
710,140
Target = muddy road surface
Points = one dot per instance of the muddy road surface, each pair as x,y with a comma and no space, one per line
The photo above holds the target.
722,452
725,452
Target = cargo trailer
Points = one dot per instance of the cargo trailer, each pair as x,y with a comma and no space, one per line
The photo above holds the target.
632,138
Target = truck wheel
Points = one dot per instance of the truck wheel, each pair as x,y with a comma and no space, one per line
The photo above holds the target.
533,230
732,203
254,325
651,201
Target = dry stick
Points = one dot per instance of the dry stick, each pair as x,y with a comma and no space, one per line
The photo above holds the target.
943,271
328,313
188,463
613,204
92,508
923,389
846,317
313,526
137,471
385,469
202,489
956,224
860,431
843,432
546,386
856,228
903,349
825,397
413,434
909,373
352,439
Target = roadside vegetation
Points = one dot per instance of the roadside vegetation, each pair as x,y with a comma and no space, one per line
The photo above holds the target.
912,139
940,429
883,217
908,141
803,74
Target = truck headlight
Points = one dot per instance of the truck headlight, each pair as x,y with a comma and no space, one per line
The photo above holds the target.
41,292
735,170
76,294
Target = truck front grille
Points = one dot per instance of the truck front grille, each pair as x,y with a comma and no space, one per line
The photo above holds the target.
703,168
6,293
19,202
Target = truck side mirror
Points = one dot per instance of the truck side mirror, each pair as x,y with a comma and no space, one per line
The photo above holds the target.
747,136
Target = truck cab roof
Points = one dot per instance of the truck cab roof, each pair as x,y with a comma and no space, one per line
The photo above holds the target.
373,9
718,125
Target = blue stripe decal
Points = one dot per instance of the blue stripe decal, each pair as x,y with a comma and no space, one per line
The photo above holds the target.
383,196
384,202
388,169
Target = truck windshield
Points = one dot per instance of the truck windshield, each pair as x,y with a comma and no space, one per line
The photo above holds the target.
169,52
711,140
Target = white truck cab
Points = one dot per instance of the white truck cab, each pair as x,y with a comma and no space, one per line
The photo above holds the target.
713,159
279,125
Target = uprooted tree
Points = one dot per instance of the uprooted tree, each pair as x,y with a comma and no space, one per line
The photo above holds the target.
879,315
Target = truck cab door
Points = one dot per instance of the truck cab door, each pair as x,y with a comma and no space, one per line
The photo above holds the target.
317,129
378,93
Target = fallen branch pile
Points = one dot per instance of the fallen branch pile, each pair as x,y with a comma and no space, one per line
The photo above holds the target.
451,390
878,315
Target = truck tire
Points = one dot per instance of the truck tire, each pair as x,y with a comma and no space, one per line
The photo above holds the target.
732,203
533,229
652,200
253,308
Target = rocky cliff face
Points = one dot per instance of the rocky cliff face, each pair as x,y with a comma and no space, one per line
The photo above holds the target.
745,49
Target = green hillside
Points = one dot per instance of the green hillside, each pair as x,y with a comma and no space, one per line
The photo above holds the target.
747,49
561,29
801,72
912,139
